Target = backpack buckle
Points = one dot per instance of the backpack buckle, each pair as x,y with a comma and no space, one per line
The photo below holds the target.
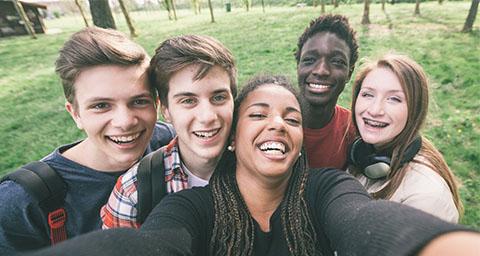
57,218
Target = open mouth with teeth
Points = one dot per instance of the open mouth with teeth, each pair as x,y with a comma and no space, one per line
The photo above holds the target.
375,124
273,148
319,88
206,134
124,139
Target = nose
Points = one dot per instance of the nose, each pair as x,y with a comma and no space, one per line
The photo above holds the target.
124,118
206,114
322,68
376,108
277,123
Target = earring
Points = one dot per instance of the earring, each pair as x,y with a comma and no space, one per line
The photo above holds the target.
231,148
299,154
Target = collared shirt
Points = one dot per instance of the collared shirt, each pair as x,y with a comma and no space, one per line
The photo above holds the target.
121,208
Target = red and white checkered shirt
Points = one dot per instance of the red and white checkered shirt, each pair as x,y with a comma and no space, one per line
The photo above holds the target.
121,208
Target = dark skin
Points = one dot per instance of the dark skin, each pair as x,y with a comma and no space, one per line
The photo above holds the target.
323,71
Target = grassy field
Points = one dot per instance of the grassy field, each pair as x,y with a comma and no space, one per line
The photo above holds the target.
33,120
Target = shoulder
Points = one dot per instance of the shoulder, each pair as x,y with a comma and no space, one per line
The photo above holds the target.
333,182
425,189
424,177
14,193
190,208
127,183
341,111
196,197
163,133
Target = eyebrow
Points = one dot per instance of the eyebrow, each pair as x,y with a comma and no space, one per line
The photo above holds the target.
182,94
389,91
98,99
265,105
334,53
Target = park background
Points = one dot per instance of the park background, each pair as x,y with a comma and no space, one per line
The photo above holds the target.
33,121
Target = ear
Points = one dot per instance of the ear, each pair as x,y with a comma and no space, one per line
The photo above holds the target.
165,113
157,103
74,114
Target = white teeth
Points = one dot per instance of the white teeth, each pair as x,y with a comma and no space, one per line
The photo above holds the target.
273,147
206,134
125,139
319,86
375,123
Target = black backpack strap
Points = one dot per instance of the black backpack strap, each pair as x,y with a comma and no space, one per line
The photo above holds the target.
151,187
47,189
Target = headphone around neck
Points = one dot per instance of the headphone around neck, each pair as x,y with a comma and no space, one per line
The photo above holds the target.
376,165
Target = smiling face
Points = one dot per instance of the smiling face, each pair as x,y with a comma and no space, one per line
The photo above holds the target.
323,69
381,110
201,113
269,134
114,107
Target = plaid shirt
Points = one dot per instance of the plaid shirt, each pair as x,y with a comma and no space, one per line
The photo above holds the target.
121,208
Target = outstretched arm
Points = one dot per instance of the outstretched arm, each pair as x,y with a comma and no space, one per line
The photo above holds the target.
357,225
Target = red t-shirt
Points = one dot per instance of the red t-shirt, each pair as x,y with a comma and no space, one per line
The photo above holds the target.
327,146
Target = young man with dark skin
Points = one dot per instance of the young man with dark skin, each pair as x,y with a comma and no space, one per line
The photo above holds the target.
326,55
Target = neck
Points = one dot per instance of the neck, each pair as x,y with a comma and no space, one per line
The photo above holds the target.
87,155
202,168
317,117
262,198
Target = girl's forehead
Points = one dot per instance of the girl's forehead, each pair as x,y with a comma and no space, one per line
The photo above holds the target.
271,95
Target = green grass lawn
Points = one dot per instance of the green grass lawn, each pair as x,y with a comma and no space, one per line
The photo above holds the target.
33,120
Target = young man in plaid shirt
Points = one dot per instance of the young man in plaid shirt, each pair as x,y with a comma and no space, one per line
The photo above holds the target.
196,80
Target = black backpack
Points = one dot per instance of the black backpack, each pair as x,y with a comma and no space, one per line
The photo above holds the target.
149,189
47,189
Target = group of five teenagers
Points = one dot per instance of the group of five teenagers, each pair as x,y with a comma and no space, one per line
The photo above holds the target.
326,55
109,98
392,160
264,200
196,79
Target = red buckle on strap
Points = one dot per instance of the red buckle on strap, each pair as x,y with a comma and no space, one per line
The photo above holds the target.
57,218
56,221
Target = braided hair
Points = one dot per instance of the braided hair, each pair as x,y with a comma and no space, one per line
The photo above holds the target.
234,230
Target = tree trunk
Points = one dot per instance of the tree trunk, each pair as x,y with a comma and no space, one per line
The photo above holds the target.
127,18
26,21
196,6
322,3
383,5
82,12
263,5
417,8
440,1
366,12
211,10
166,3
174,8
467,27
102,14
335,3
247,4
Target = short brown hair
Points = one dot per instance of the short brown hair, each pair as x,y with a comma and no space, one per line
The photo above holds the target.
179,52
91,47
